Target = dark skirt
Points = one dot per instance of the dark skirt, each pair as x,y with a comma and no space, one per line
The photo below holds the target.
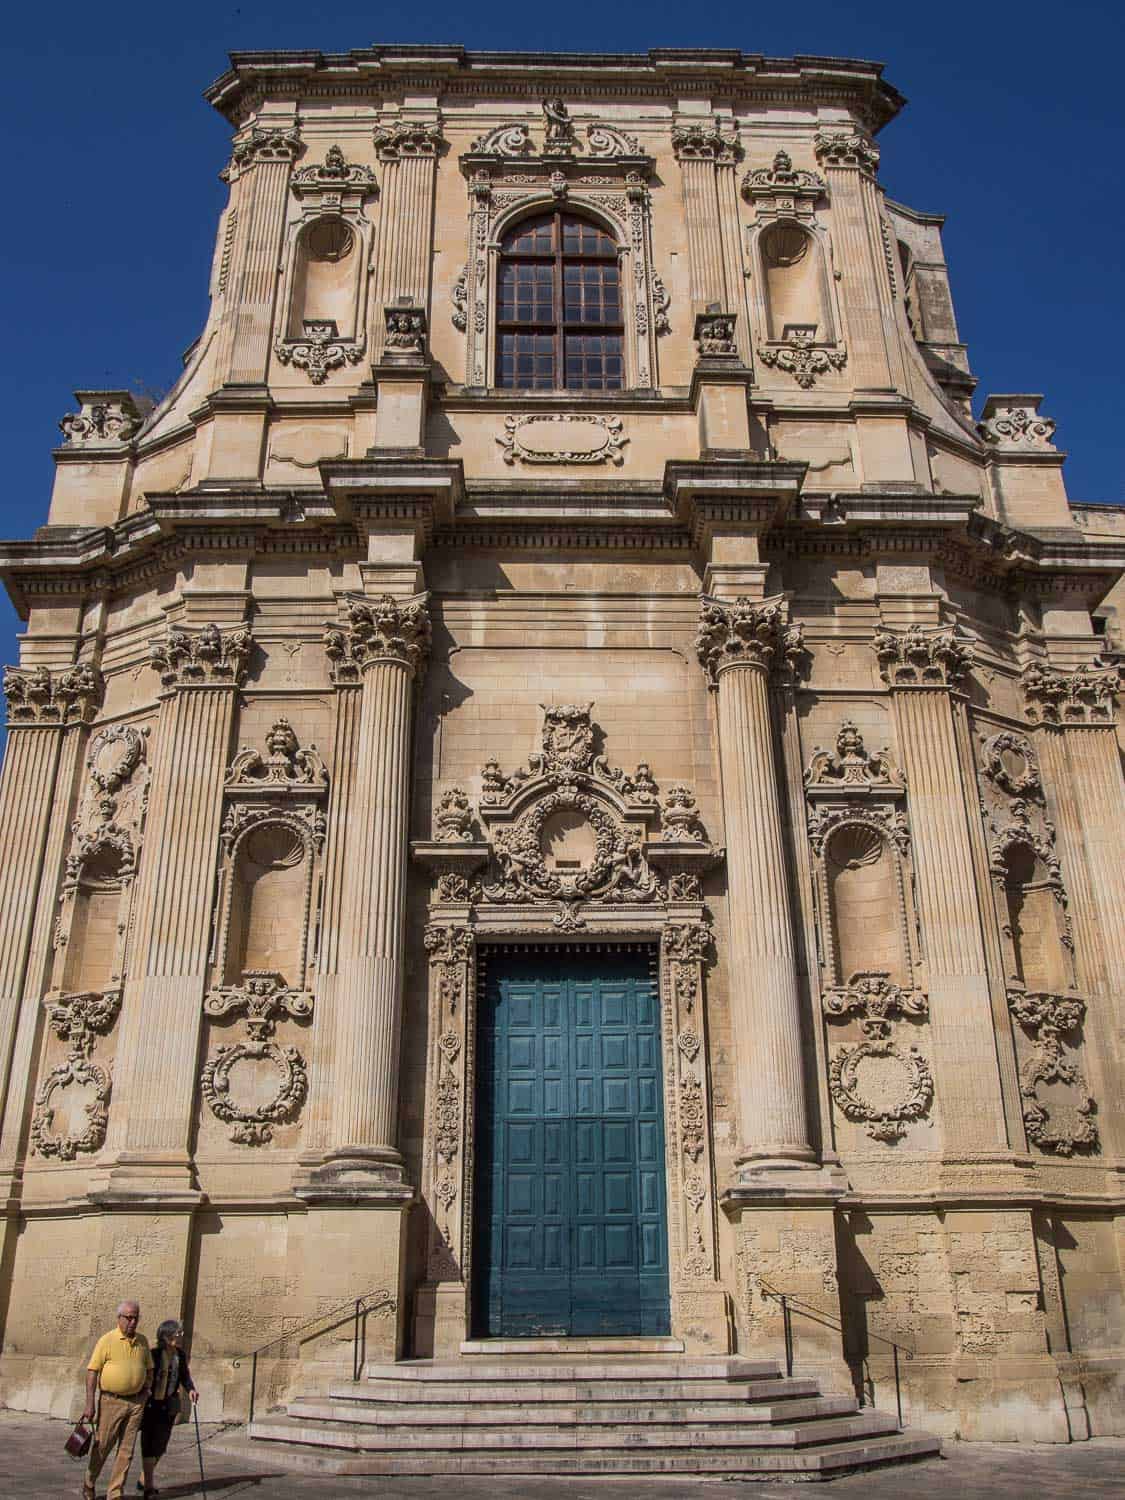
156,1426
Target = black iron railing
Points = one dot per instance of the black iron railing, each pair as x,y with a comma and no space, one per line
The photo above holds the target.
355,1311
794,1306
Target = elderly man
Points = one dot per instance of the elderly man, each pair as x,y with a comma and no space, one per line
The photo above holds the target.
121,1368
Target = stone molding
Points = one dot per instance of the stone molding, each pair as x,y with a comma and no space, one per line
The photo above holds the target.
846,148
1048,1018
51,698
105,419
745,634
920,657
208,658
1083,698
802,357
563,438
333,175
852,766
286,766
378,630
782,181
1013,424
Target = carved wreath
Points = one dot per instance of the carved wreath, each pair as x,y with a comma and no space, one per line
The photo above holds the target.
253,1127
618,871
75,1072
882,1121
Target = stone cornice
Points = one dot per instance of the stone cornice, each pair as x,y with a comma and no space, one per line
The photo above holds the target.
365,73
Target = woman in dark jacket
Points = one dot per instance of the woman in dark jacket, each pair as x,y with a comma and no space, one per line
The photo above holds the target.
170,1375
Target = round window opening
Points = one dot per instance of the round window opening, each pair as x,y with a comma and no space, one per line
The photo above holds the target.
328,239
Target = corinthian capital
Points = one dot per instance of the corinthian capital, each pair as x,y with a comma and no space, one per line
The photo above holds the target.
37,695
846,148
408,138
1087,695
202,658
744,634
705,140
383,629
921,658
261,145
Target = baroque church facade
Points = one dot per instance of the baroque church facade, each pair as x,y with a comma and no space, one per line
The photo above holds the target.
559,780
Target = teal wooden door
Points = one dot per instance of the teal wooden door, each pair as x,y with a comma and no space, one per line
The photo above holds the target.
571,1228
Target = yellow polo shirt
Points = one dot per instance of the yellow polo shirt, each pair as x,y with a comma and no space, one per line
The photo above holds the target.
123,1363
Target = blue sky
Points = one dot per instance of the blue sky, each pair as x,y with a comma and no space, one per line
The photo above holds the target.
1014,130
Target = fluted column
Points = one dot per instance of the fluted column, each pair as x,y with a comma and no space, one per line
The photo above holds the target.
200,673
1076,713
922,667
738,646
409,151
384,644
38,769
850,161
259,174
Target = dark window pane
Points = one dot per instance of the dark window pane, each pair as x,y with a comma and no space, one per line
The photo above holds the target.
527,362
580,238
531,237
594,362
526,293
591,294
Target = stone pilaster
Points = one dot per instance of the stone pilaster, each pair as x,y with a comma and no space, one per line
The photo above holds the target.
409,151
708,156
922,667
383,645
738,646
45,708
850,161
259,174
1076,713
200,673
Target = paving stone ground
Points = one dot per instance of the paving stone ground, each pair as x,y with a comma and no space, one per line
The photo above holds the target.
34,1464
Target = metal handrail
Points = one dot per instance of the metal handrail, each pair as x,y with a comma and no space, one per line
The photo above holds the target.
791,1305
357,1309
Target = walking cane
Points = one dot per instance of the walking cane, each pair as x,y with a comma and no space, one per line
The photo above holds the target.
199,1449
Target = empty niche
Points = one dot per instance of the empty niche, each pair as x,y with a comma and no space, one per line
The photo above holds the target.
325,267
267,909
864,905
92,944
793,281
1038,960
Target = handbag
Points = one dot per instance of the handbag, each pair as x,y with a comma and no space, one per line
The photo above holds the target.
78,1443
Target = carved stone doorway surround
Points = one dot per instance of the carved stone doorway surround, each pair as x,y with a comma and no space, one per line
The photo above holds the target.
635,878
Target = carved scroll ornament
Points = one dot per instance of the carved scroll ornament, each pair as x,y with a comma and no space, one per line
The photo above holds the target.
882,1086
1047,1019
286,766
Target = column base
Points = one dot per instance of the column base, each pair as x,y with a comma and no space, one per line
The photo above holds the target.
149,1179
357,1175
441,1320
773,1180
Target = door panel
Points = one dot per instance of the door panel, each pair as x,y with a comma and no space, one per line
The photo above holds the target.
570,1214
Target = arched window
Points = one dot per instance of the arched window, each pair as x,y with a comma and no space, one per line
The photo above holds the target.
560,324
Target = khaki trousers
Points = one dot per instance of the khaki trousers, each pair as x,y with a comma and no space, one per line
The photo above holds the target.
119,1421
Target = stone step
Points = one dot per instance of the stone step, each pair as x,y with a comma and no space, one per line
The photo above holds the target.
574,1347
573,1438
478,1369
527,1391
607,1413
806,1463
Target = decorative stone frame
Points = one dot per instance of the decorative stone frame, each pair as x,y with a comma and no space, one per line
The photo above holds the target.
626,902
285,788
612,190
803,352
335,190
845,790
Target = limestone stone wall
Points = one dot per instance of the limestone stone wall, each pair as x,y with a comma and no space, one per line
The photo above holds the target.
822,672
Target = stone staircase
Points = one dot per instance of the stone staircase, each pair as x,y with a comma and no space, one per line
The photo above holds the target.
515,1409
